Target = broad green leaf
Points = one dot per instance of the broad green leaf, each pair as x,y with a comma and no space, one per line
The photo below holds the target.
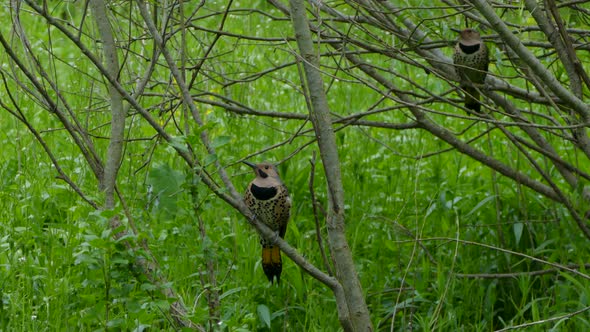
230,292
264,314
220,141
517,228
209,159
179,143
148,287
167,184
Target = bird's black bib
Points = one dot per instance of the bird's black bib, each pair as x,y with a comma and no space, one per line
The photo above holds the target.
469,49
263,193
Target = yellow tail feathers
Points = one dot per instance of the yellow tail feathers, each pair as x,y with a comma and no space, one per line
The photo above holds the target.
271,263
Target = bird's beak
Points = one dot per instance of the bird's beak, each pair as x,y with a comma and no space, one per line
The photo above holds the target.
249,164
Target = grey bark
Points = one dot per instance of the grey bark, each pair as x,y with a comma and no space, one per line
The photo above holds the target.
111,63
322,123
531,60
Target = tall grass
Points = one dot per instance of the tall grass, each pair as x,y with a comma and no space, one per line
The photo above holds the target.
61,269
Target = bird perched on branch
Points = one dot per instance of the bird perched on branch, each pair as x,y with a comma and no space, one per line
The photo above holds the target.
267,197
471,64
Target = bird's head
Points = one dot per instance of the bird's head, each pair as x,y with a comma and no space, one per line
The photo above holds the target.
470,35
264,170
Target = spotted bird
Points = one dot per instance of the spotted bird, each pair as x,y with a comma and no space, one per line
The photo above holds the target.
267,197
471,59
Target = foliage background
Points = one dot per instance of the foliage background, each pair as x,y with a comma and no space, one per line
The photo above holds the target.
440,242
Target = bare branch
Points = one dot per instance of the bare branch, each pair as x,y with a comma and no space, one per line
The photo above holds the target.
115,149
531,60
314,204
320,116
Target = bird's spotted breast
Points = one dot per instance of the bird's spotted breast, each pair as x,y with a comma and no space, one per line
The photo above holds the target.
263,193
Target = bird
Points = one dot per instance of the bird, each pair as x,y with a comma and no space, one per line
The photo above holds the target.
471,61
268,199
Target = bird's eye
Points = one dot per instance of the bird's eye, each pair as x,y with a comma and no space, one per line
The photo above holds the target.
265,167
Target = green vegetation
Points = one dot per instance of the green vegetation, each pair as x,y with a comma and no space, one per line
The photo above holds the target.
428,228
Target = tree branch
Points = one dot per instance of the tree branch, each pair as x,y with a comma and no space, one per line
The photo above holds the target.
531,60
116,140
320,116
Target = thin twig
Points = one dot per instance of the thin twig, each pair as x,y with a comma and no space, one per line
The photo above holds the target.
314,204
544,321
516,274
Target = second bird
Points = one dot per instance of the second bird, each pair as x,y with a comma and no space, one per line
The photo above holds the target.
471,63
267,197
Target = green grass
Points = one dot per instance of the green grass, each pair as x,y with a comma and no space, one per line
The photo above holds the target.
61,268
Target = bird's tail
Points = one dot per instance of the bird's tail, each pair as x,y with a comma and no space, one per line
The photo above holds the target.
472,99
271,262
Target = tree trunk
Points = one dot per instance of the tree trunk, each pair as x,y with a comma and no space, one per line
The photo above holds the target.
322,123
